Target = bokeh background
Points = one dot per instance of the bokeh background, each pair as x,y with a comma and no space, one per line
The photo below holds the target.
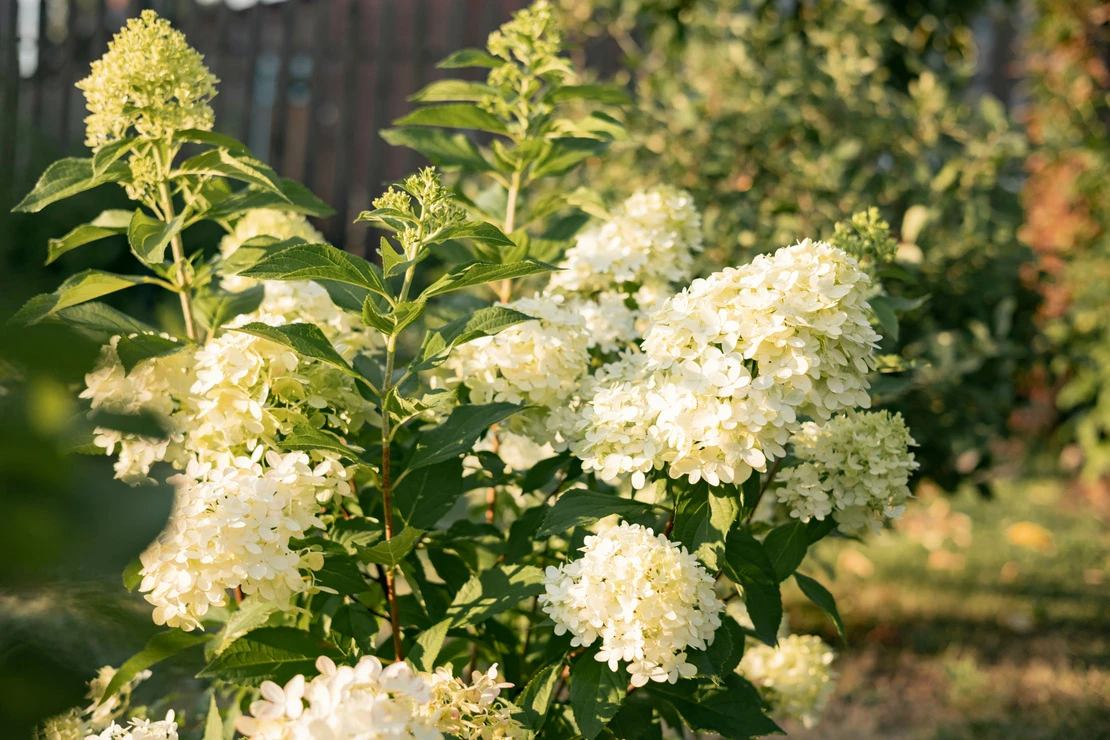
980,129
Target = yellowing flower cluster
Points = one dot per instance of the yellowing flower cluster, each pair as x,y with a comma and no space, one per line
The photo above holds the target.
474,711
796,676
140,729
644,597
855,468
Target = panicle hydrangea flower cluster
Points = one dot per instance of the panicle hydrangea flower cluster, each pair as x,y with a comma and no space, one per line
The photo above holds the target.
231,525
650,239
140,729
366,702
796,676
539,362
646,598
150,81
855,468
729,365
474,711
77,724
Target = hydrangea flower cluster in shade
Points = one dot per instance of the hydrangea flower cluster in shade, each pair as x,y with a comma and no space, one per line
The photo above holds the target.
538,362
730,364
855,468
650,239
796,677
366,702
474,711
150,82
646,598
78,724
231,525
140,729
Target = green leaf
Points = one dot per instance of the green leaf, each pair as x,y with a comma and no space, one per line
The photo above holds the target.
100,320
818,529
636,720
305,339
317,262
269,654
479,231
581,507
786,546
747,564
538,694
149,237
447,150
703,518
454,115
211,138
884,312
132,574
458,433
820,596
723,656
443,91
158,648
424,653
135,348
292,197
221,306
306,437
425,495
609,94
213,725
108,223
480,273
142,424
565,154
485,322
392,323
355,621
84,286
251,614
392,551
494,591
340,573
596,693
235,166
732,710
470,58
108,154
68,177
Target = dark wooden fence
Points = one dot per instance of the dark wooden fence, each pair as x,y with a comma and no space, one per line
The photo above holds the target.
306,84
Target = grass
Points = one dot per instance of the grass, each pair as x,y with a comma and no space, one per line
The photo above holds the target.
976,619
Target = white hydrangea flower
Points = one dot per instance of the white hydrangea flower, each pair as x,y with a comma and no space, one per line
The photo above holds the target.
616,321
366,702
800,314
474,711
140,729
100,714
539,362
650,239
645,597
230,528
796,677
856,468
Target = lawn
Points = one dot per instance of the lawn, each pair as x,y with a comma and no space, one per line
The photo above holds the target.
975,619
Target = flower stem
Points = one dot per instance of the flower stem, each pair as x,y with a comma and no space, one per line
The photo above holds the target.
179,262
387,495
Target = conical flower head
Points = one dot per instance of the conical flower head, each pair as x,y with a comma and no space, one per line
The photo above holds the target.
149,84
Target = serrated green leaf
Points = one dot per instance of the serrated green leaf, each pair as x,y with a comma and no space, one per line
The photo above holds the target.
494,591
84,286
703,518
428,644
221,306
316,262
67,177
252,613
108,154
485,322
447,150
108,223
269,654
305,437
458,433
340,573
581,507
135,348
565,154
732,710
747,564
99,320
149,237
478,231
293,197
820,596
722,657
235,166
305,339
536,697
392,551
157,648
443,91
357,622
454,115
596,693
480,273
786,546
132,574
213,725
470,58
425,495
211,138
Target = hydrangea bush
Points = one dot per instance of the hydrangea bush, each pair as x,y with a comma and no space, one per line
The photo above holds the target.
509,479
